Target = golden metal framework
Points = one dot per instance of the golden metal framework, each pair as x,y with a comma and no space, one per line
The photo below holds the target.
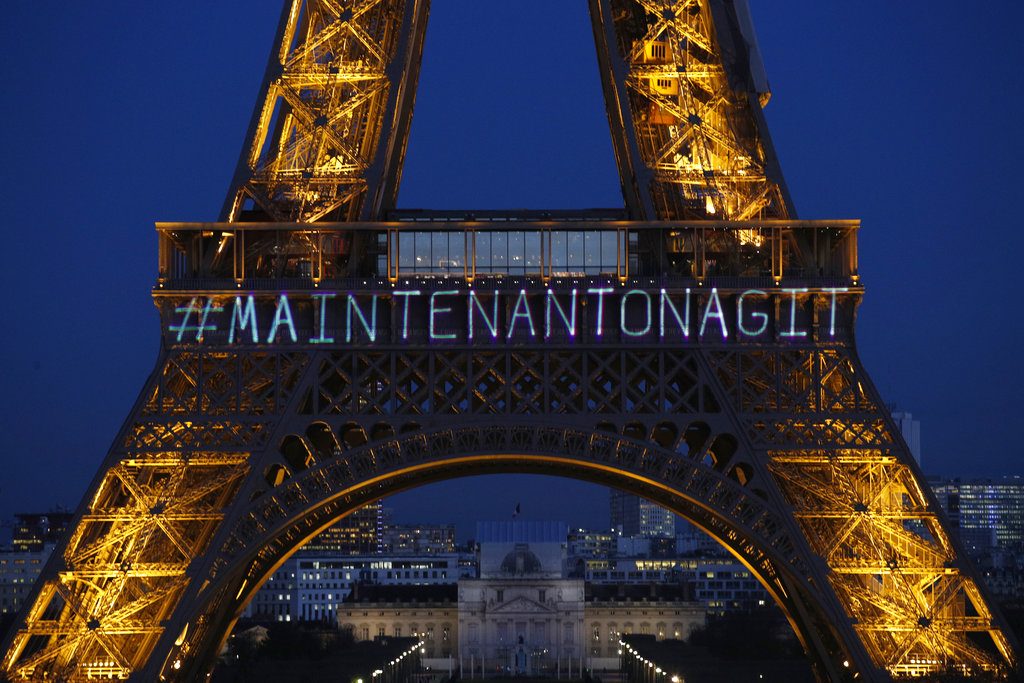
778,446
328,137
686,111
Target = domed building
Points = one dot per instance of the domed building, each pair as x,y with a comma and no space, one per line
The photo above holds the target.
520,562
522,616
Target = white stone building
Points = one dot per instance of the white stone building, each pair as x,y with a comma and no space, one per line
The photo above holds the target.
522,616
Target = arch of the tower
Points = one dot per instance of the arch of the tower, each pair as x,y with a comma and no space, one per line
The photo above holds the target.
333,470
232,459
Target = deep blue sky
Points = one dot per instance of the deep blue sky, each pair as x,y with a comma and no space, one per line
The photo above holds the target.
117,114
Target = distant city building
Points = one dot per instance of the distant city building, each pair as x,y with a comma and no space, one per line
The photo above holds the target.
691,541
725,585
986,513
34,530
33,538
310,586
911,431
526,621
624,571
645,546
522,615
432,614
361,533
19,570
1005,583
635,516
419,539
720,584
583,543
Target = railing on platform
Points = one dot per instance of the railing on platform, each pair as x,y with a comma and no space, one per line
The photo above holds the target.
306,255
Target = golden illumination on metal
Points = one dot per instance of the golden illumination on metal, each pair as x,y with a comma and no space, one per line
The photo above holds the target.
125,566
891,560
318,131
698,144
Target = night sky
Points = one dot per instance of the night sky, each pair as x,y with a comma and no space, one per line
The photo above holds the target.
117,114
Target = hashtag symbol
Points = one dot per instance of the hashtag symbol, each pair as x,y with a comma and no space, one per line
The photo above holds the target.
203,312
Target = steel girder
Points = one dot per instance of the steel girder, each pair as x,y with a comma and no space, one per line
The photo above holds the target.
685,112
328,135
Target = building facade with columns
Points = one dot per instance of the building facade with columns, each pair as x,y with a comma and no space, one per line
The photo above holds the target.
522,615
430,613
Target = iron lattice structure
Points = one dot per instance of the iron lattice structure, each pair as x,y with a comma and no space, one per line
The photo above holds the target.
328,137
294,384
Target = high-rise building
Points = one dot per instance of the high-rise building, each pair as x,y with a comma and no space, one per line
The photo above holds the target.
361,533
584,543
32,541
33,530
632,515
911,431
419,539
19,570
987,513
690,540
310,586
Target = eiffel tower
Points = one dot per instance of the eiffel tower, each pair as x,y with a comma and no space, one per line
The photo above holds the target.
322,348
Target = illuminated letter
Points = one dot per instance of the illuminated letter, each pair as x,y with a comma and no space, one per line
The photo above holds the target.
622,313
244,318
434,310
492,323
193,305
370,327
718,313
323,320
207,310
405,310
684,322
600,306
521,302
791,332
282,316
832,317
763,317
204,312
570,320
